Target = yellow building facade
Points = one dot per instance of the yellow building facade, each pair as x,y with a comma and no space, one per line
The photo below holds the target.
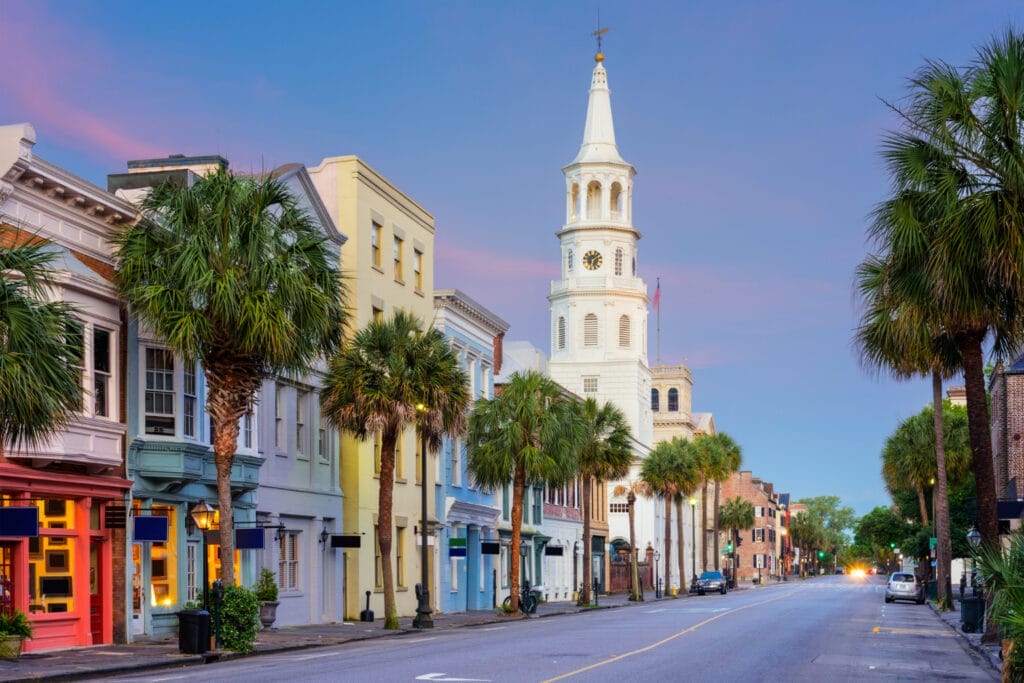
388,265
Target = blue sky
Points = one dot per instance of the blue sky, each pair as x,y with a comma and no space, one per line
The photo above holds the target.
754,128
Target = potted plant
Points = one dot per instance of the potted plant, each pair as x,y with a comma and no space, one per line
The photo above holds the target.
14,628
266,593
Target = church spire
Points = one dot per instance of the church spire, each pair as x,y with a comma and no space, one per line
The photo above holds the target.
599,133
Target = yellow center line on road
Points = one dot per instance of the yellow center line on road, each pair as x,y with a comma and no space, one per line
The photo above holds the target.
689,629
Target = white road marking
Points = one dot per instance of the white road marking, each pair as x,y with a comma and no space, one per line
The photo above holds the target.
434,677
420,640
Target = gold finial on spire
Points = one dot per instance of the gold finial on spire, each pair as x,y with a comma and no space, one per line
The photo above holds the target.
599,57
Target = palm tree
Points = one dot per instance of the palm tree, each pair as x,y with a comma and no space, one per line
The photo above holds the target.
605,453
908,459
1001,570
688,479
729,460
40,351
391,375
659,474
630,490
528,433
961,135
708,462
231,272
736,515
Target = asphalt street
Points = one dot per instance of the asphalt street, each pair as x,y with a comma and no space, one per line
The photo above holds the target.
830,629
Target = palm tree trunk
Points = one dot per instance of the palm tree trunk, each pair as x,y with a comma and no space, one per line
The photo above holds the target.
667,548
718,555
588,571
944,552
704,527
923,505
518,491
680,545
633,572
225,442
384,525
969,345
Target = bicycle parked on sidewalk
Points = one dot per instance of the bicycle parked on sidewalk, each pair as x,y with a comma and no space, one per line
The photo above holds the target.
527,600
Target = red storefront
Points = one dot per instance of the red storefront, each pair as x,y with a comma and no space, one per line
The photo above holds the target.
70,578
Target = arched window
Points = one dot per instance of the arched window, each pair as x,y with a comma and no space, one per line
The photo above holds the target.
594,200
574,212
561,332
624,331
618,261
654,400
616,200
568,261
590,330
634,266
673,400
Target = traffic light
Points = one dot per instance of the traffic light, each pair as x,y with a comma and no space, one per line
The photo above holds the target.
739,541
728,548
892,546
821,554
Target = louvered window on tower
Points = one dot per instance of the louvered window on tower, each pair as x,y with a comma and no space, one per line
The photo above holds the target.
624,331
568,261
590,330
561,333
618,261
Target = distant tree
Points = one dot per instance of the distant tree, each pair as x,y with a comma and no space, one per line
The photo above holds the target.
660,474
736,515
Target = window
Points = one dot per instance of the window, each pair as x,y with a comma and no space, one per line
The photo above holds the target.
375,238
453,574
568,261
574,209
503,550
189,390
655,400
615,197
505,503
302,423
561,333
52,557
192,592
376,451
400,556
247,429
279,438
590,385
400,457
590,330
378,565
159,391
536,496
759,562
594,200
288,561
398,259
634,266
101,372
758,535
485,380
618,507
673,400
323,443
163,557
758,511
456,462
417,269
624,331
378,315
618,261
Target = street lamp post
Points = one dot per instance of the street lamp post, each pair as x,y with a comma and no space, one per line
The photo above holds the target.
657,579
203,514
974,538
693,542
423,618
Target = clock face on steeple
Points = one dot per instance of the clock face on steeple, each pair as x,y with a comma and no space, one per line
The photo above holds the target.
592,260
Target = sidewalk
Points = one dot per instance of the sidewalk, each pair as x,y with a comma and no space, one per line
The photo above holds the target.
157,652
989,653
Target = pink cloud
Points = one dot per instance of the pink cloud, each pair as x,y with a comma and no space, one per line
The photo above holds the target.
51,57
493,264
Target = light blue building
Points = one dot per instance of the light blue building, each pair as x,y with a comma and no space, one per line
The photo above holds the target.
467,515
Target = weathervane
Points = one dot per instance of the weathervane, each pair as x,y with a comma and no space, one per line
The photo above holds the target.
599,57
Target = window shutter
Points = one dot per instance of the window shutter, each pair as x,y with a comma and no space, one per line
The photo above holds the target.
590,330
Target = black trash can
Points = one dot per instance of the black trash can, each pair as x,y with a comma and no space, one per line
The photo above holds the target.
933,589
972,615
193,631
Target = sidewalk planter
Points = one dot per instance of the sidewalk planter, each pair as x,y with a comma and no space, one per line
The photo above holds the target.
266,592
10,647
14,629
268,612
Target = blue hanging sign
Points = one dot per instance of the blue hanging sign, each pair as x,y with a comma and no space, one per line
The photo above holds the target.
150,529
19,521
250,539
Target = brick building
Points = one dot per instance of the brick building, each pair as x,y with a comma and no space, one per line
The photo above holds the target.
757,555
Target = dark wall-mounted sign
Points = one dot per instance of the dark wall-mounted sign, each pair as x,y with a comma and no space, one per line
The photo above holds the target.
490,548
345,541
553,550
149,529
250,539
19,521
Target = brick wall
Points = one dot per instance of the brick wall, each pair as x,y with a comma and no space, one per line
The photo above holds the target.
758,494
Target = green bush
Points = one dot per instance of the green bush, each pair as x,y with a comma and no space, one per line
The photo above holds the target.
266,586
15,624
239,618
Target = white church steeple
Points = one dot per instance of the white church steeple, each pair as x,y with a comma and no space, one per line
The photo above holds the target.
599,305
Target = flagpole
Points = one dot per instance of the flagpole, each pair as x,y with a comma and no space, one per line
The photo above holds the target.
657,307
